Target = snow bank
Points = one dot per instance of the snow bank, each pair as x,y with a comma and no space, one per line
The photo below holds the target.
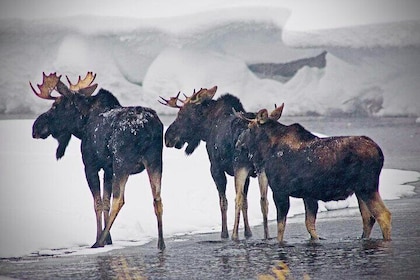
140,51
46,206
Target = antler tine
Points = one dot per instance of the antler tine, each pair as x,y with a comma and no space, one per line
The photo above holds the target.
172,102
49,83
86,82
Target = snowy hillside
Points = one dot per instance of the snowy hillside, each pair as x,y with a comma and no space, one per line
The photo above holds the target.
143,50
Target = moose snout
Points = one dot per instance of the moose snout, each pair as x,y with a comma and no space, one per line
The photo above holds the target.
176,142
172,139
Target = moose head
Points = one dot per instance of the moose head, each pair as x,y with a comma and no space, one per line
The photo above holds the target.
261,118
187,127
66,113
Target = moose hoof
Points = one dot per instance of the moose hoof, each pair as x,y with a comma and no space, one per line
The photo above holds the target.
224,235
161,245
248,234
97,245
108,240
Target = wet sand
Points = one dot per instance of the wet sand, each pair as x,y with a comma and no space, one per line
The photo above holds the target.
342,255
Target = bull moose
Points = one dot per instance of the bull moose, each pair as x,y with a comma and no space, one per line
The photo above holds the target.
119,140
299,164
200,118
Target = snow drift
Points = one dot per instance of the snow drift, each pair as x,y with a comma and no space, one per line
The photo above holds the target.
140,52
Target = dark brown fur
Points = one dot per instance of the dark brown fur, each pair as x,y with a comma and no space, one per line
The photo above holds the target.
299,164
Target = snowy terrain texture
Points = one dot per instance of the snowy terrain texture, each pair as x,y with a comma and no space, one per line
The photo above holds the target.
141,50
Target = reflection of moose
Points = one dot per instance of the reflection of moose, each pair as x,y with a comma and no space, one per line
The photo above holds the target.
201,118
119,140
299,164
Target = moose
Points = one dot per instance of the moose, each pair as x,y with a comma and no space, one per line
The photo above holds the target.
299,164
119,140
200,118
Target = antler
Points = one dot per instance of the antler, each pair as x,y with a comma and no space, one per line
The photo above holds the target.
49,83
86,82
201,95
172,102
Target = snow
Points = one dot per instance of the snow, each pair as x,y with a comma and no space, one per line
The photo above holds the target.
46,207
141,50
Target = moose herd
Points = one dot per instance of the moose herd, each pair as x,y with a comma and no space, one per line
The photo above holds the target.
127,140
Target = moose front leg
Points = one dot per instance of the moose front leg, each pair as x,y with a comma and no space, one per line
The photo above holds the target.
240,177
263,184
311,209
118,189
248,232
219,178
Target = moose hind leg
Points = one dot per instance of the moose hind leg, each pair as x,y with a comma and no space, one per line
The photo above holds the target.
155,179
219,178
368,219
282,203
381,213
118,189
94,186
106,198
311,209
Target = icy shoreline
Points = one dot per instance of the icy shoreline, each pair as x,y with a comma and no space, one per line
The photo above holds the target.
56,193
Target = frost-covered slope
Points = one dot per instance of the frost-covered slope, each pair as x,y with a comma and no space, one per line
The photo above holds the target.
141,52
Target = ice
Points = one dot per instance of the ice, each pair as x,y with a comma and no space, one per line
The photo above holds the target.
46,207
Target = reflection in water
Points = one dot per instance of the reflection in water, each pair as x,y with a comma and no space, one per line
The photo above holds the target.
120,267
305,260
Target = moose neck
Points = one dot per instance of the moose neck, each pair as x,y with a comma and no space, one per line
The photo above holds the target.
217,111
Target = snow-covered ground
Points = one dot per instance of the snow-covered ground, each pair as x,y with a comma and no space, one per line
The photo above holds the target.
143,49
46,205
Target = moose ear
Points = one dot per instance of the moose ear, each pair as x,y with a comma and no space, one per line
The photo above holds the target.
205,94
211,92
262,116
276,113
87,91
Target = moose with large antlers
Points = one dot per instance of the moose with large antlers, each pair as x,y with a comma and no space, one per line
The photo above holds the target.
119,140
299,164
200,118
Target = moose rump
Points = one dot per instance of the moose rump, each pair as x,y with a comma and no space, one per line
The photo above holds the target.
299,164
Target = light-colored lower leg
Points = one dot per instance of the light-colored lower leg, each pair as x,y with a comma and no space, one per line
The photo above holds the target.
240,177
281,225
263,184
381,213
